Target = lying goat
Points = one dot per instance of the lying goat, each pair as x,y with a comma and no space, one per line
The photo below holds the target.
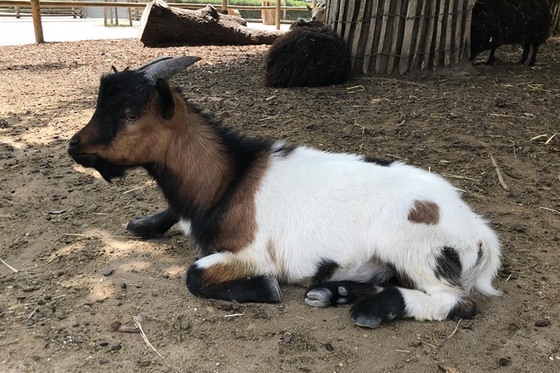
396,240
311,54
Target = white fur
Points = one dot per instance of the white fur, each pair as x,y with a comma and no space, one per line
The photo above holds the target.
315,206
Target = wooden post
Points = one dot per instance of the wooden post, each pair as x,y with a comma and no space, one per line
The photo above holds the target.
37,24
277,14
390,37
224,5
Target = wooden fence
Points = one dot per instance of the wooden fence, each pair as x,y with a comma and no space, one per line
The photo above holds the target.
36,6
398,36
556,18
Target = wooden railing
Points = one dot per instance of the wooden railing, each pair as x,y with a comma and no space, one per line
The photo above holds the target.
36,5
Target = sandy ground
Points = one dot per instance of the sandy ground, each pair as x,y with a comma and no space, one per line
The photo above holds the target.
63,228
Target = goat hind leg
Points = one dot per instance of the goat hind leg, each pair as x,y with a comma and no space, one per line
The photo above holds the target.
153,225
445,302
224,276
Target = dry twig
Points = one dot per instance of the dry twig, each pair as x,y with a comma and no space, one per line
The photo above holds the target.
499,173
9,266
549,209
234,315
454,331
138,322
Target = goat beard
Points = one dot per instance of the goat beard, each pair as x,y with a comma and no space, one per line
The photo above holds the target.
106,169
109,171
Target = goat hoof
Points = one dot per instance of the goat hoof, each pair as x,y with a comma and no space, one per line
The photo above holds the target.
328,294
366,321
319,297
141,227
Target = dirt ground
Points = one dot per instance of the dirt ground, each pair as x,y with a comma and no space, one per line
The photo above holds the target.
63,228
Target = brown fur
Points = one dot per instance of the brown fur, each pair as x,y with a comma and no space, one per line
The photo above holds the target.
239,224
424,212
227,271
196,158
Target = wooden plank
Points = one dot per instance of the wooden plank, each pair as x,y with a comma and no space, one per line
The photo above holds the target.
467,36
368,57
410,21
380,61
429,43
359,38
448,33
392,49
420,39
349,19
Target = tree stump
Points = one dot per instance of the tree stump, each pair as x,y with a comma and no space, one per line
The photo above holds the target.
162,25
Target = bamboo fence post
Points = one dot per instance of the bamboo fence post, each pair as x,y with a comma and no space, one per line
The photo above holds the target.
37,23
401,36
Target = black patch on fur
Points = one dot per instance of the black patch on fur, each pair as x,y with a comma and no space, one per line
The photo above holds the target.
165,98
325,269
377,161
284,150
448,265
465,309
379,308
259,289
153,225
400,278
119,93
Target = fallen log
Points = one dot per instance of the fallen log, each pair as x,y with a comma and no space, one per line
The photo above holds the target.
162,25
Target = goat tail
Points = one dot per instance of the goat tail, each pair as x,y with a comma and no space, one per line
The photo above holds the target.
486,268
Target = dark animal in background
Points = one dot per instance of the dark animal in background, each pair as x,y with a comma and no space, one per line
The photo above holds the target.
395,240
311,54
498,22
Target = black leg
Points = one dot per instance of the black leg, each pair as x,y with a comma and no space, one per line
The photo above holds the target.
204,282
534,55
333,293
153,225
492,58
373,310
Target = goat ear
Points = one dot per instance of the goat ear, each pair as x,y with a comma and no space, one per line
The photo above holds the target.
166,100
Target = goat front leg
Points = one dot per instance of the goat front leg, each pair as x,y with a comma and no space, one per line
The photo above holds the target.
153,225
226,276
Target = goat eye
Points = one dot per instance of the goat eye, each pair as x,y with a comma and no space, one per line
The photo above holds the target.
130,116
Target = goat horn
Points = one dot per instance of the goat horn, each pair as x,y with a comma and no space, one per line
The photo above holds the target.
166,67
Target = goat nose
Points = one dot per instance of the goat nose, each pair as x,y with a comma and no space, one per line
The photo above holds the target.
74,141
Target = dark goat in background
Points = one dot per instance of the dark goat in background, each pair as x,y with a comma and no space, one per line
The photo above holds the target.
498,22
310,54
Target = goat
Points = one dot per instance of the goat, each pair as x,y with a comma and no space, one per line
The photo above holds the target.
395,240
319,13
498,22
310,54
